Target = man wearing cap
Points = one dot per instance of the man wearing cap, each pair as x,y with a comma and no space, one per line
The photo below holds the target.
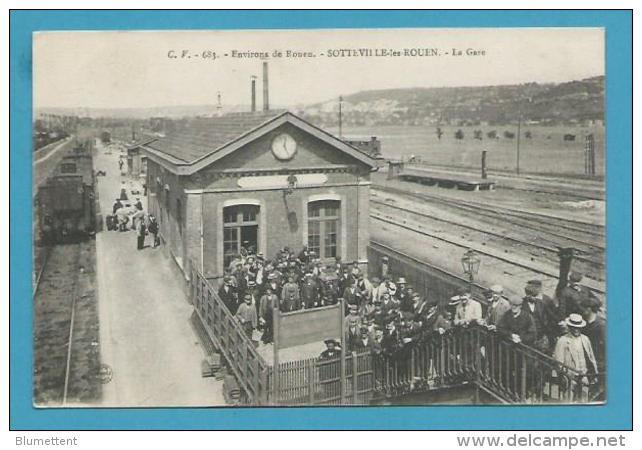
433,320
290,298
573,295
352,318
246,315
309,292
388,303
269,301
364,287
552,313
468,310
385,267
517,324
574,349
497,305
227,294
535,307
330,291
351,295
378,288
595,329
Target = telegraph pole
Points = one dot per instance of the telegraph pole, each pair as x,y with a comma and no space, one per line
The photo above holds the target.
519,129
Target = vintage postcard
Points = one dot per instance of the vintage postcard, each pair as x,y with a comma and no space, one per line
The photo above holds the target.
319,217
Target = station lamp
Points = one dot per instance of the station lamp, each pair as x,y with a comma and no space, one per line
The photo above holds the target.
470,263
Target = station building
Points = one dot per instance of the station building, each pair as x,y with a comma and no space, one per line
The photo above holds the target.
263,180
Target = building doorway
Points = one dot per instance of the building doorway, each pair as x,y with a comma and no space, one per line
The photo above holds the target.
240,232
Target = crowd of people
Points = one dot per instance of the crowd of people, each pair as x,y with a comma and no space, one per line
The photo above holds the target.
128,217
386,315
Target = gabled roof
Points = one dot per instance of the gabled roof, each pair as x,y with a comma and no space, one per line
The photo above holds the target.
208,140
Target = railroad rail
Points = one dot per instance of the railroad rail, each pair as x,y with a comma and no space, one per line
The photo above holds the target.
593,257
535,221
54,303
479,249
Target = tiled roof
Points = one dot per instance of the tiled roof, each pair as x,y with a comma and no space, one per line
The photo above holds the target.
202,136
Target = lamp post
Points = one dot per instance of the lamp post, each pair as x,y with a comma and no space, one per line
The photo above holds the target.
470,262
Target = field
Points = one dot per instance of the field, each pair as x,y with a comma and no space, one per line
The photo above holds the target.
544,152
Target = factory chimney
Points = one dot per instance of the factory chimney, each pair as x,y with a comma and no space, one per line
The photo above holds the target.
266,99
219,107
253,78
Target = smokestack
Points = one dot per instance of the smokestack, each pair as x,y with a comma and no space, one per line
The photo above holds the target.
266,99
219,106
253,93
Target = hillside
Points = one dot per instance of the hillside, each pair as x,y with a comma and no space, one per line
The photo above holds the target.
560,103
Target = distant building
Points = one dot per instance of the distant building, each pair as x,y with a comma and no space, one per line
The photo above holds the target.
372,147
258,180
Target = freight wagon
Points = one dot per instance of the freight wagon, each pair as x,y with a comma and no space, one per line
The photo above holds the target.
66,201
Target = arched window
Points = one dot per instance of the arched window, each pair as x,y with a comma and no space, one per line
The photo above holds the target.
240,231
324,223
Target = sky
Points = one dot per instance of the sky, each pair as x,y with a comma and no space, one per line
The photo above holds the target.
131,69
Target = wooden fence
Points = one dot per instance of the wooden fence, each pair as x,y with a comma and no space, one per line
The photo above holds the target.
316,381
251,371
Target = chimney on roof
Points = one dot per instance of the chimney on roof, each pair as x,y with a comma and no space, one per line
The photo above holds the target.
253,78
266,99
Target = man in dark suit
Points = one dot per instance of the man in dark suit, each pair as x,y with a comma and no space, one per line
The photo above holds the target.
227,294
517,324
536,308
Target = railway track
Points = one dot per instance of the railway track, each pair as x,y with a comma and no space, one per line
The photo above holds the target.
553,226
61,328
590,259
513,261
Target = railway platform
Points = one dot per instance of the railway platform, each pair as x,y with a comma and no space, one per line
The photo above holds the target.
145,334
461,181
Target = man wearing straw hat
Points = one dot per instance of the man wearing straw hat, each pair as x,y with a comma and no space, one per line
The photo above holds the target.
574,349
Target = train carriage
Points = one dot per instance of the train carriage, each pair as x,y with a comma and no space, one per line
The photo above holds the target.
66,199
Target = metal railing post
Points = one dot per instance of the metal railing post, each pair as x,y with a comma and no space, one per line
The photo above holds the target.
354,378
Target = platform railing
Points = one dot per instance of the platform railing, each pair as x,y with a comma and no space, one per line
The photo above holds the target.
250,369
507,371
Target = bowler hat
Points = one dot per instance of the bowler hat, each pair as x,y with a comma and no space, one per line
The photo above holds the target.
401,280
575,321
531,290
497,289
536,283
331,341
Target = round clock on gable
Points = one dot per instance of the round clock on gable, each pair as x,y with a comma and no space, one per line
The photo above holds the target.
283,147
